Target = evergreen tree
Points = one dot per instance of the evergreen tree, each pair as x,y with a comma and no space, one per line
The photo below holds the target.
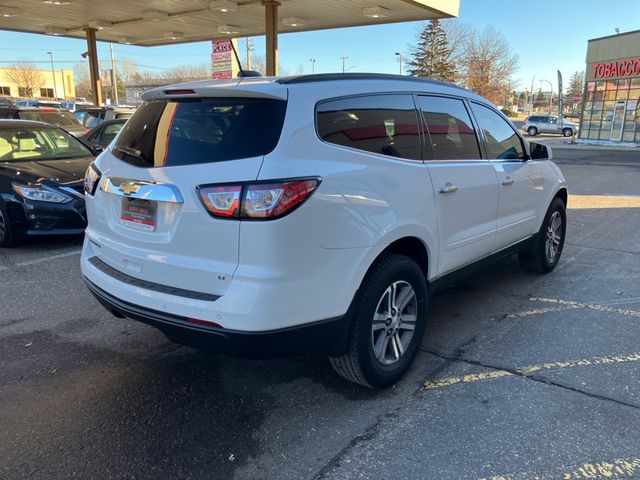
432,58
576,83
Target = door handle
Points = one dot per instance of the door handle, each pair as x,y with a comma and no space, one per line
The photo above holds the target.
508,181
448,188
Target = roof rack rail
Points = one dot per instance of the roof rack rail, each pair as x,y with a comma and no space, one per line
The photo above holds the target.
328,77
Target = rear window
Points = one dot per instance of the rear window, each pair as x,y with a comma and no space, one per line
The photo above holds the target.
64,119
195,131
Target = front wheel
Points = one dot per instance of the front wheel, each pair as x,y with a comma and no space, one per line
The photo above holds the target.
388,323
545,253
8,235
532,131
567,132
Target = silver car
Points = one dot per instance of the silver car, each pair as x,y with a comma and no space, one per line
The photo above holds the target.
535,124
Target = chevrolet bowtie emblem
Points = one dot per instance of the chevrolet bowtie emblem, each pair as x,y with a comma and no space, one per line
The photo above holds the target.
129,188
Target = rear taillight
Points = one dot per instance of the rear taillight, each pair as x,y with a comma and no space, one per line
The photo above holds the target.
91,179
222,200
257,200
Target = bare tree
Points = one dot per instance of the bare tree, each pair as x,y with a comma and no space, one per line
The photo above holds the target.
458,34
489,64
183,73
26,76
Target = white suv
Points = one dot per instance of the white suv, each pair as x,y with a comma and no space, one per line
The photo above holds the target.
265,216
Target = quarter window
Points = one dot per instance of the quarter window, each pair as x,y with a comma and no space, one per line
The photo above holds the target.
502,140
384,124
450,128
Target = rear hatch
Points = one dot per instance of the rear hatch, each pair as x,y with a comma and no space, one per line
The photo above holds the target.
147,219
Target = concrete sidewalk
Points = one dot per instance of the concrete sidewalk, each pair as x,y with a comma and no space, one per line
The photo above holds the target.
562,142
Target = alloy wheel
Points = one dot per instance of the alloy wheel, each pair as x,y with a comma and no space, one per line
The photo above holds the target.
394,322
554,233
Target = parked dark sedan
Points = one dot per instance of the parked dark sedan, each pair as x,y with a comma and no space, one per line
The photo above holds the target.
42,170
100,137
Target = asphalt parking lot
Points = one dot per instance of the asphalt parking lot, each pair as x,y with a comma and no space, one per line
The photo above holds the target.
519,377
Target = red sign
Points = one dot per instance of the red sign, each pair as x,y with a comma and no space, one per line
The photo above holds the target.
577,98
221,59
629,67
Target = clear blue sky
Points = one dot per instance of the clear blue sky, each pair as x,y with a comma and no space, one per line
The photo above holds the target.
547,35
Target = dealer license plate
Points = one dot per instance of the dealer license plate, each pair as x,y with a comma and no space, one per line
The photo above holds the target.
139,214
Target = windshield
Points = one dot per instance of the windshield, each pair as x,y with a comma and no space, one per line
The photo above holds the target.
18,144
63,119
207,130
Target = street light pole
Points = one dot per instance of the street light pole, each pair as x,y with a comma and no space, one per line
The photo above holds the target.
344,62
399,54
551,96
114,86
53,74
313,65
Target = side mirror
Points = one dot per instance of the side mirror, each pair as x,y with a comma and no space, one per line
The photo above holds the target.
538,151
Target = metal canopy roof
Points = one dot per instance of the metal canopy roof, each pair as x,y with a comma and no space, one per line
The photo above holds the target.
164,22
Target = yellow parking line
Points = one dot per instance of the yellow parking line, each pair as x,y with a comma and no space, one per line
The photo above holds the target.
592,306
569,305
584,362
580,202
614,469
540,311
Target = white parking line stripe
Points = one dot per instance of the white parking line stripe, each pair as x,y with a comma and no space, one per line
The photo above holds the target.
2,267
46,259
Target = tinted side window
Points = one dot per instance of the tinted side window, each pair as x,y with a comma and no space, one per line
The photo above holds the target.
502,140
109,133
450,128
385,124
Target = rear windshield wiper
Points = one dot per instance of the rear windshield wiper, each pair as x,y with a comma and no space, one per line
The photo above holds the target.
132,152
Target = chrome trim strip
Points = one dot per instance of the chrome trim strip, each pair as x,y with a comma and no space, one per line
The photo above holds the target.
157,192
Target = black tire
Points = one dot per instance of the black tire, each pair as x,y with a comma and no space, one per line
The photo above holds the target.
537,258
8,235
359,364
567,132
532,131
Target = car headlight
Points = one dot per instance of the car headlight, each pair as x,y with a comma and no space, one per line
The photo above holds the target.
91,179
39,193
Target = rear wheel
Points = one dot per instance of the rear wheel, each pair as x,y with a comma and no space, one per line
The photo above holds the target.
388,323
8,235
533,131
545,253
567,132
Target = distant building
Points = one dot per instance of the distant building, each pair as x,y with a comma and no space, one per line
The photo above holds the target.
611,109
41,84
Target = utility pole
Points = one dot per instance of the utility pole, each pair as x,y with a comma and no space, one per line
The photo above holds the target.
531,97
53,74
313,65
114,87
249,46
344,62
399,54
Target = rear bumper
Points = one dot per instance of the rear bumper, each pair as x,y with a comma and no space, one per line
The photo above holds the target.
327,336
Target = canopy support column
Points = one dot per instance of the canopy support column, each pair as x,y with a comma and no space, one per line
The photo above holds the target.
271,32
96,84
